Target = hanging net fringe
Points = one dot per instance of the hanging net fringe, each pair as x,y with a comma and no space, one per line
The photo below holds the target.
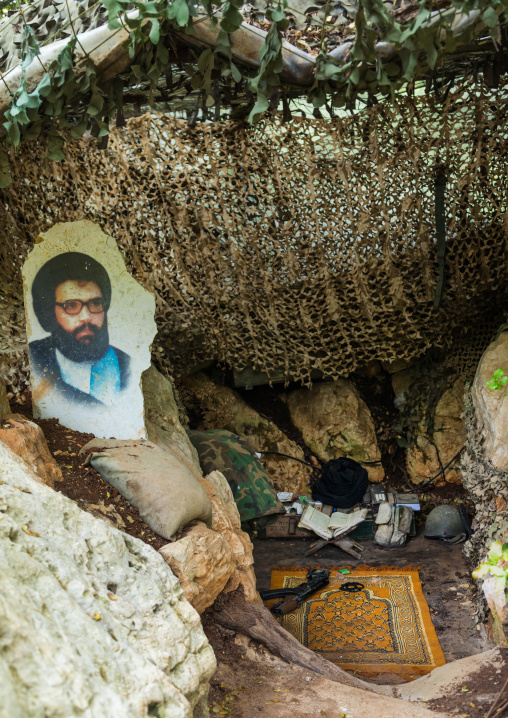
289,247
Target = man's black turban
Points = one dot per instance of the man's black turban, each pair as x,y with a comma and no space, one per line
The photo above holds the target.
72,266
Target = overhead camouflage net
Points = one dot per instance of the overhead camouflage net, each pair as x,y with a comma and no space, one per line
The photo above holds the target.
310,245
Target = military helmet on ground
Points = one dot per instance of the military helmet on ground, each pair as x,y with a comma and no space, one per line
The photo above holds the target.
445,522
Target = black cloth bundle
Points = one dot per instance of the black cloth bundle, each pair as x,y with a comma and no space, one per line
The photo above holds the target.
342,484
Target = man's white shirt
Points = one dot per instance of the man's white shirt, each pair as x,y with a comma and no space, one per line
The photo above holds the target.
75,373
100,379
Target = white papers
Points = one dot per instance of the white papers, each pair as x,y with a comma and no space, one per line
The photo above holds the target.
339,520
285,495
341,523
410,500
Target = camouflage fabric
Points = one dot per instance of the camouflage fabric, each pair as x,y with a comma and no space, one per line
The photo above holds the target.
226,452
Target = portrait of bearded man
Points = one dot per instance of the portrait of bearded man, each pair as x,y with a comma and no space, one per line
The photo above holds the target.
71,295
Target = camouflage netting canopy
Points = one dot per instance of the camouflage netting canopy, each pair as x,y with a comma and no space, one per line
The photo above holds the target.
287,246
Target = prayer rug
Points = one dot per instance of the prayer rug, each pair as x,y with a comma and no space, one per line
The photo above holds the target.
384,628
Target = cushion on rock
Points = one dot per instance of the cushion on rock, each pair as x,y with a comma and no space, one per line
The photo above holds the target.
166,493
225,452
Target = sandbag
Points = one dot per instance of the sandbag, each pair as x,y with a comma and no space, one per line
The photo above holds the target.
225,452
166,493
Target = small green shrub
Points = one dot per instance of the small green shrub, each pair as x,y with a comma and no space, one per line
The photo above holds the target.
498,381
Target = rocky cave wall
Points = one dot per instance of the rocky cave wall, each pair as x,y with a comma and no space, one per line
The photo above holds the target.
212,560
414,410
484,463
93,622
440,413
60,565
93,618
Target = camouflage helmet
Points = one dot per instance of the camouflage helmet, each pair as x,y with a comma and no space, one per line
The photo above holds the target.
445,522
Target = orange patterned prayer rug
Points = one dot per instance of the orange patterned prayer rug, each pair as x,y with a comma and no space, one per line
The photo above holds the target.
384,628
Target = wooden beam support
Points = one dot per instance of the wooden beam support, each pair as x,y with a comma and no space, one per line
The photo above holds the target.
106,49
246,43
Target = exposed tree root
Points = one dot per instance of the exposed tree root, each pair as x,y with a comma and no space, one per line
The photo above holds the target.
255,621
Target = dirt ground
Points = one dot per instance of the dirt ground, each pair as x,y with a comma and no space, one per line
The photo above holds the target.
251,682
244,686
477,694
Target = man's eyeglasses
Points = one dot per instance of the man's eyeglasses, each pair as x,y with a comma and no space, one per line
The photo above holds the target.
74,306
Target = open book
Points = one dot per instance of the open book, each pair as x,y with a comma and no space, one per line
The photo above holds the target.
330,526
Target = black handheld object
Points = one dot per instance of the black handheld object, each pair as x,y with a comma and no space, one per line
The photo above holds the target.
316,578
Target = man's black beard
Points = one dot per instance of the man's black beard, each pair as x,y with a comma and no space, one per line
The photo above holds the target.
77,351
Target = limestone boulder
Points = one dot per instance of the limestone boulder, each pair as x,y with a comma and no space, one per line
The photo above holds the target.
27,440
491,407
210,560
226,522
203,561
401,384
162,419
224,408
93,621
433,451
335,421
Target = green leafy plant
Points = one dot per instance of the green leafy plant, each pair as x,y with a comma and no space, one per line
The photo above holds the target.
270,54
498,381
496,566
